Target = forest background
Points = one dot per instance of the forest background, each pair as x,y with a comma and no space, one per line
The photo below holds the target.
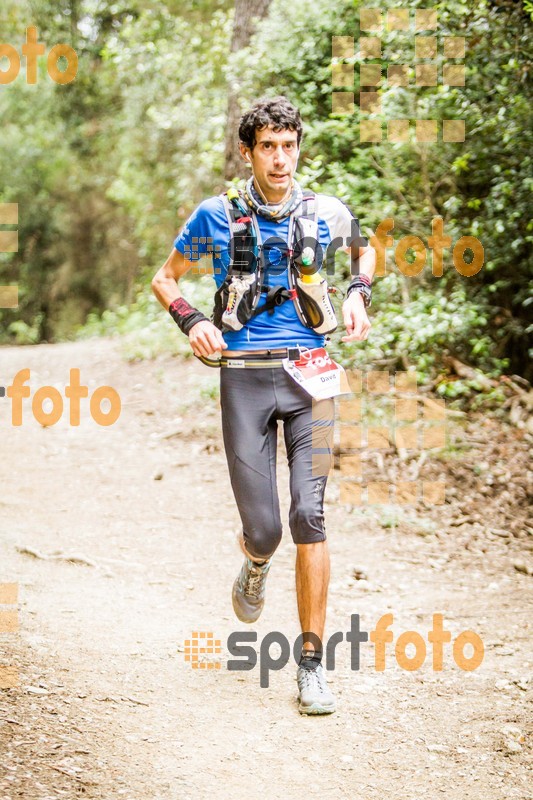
106,169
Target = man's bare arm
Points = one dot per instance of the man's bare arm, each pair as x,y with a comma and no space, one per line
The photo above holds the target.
205,339
366,257
353,309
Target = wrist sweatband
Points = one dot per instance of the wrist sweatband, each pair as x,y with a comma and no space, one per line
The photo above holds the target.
363,285
184,315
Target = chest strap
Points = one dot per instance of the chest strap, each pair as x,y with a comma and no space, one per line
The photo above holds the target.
247,256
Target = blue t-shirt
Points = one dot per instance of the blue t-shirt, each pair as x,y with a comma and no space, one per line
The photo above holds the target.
207,232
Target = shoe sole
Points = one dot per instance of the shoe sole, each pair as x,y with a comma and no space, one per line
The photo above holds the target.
316,708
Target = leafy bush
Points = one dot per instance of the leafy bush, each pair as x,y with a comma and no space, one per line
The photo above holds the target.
418,331
146,329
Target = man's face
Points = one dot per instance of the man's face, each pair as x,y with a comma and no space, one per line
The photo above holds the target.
274,159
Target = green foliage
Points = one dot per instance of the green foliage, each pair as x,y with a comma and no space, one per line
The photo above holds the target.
481,187
144,328
106,169
23,333
418,331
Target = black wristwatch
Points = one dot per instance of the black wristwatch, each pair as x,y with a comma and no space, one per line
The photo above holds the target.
364,290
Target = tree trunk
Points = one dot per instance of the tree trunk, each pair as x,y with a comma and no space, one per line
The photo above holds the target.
247,14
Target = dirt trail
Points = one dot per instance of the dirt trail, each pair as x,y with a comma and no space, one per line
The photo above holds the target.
119,713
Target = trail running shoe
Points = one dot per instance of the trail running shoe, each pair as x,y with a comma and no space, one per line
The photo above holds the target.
315,696
249,590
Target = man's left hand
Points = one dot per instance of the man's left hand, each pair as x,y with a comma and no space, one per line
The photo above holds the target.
355,318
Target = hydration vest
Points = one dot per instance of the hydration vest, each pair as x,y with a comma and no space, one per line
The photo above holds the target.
236,300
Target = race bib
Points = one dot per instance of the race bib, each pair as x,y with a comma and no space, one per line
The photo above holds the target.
318,374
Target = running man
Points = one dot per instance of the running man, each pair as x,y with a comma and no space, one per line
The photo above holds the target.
259,322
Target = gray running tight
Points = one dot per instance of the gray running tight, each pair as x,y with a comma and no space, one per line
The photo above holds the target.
252,401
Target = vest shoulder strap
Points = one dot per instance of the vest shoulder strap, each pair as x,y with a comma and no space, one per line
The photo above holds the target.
308,206
233,215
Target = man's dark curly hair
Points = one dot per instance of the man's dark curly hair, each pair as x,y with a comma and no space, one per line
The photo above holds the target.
276,111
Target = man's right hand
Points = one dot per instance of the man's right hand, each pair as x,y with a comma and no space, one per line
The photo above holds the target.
206,339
